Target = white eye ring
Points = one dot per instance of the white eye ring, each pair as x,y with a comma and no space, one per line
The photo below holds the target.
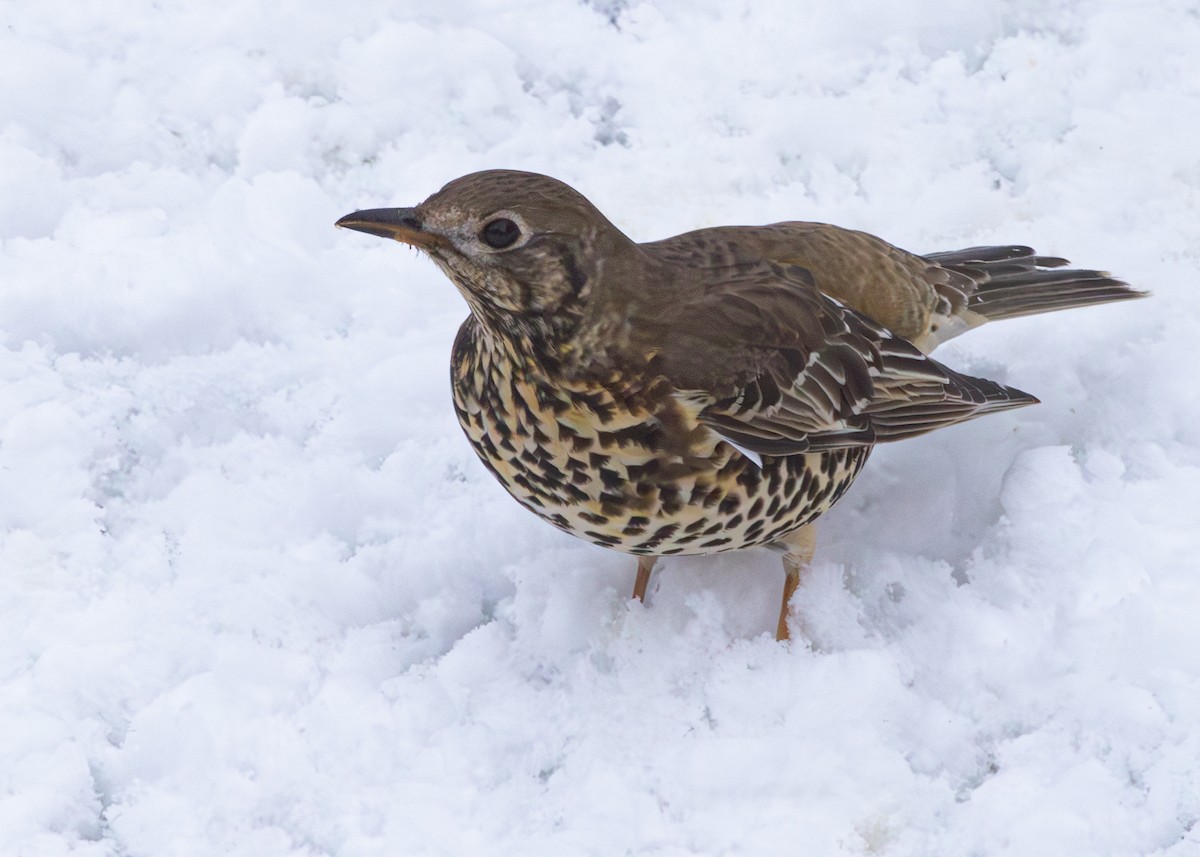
500,233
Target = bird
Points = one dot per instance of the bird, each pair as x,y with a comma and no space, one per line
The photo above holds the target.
713,391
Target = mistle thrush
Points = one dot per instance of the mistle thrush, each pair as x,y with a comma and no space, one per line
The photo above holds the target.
709,392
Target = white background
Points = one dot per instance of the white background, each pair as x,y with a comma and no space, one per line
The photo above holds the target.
257,597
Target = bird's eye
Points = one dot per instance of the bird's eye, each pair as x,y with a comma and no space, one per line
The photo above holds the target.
500,233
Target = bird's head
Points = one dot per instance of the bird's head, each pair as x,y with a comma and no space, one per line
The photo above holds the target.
523,249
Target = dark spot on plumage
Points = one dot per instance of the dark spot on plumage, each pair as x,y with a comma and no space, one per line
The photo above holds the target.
500,426
670,500
775,532
506,444
612,496
541,484
596,460
639,521
730,504
610,479
713,497
547,399
773,507
669,551
565,432
581,476
575,493
734,522
732,464
558,520
756,507
551,471
665,532
560,406
811,489
634,529
593,518
603,539
528,414
695,526
750,479
638,472
616,505
712,543
581,444
594,402
539,436
639,434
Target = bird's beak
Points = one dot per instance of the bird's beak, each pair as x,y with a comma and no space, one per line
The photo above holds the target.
401,224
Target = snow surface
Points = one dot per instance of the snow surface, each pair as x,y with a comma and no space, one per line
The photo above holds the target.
259,598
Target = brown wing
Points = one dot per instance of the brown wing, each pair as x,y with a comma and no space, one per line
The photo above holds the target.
782,368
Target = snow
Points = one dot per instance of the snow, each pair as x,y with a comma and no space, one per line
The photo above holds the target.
259,598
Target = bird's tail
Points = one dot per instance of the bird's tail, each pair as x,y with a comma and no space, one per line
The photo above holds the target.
985,284
1012,281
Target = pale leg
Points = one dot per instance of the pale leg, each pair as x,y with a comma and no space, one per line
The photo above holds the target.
799,546
645,566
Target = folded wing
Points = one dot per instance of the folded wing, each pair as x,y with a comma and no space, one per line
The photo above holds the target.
822,375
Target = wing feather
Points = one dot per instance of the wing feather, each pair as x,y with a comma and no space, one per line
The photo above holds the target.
825,376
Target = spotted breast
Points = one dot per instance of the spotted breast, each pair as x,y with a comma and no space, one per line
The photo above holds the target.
625,463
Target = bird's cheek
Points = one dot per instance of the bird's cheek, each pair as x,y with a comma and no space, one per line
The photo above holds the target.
505,294
553,287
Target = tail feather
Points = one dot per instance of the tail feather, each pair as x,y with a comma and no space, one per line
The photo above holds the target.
1009,281
1013,280
1018,254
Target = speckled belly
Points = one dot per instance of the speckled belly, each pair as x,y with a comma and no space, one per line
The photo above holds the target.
601,467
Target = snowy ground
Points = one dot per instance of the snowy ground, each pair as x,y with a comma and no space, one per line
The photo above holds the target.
257,597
